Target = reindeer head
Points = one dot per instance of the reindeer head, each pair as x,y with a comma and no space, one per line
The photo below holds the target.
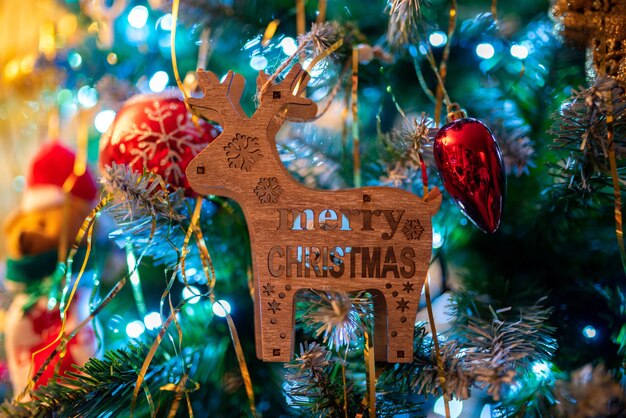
220,101
274,98
211,171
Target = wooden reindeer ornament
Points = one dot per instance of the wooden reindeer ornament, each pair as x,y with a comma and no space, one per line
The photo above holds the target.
373,238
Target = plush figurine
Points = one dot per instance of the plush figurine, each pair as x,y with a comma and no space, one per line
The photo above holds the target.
33,235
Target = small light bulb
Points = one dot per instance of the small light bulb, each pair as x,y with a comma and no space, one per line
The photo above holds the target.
158,81
191,294
485,51
438,39
152,320
541,369
519,51
589,332
138,17
437,239
456,407
486,411
87,97
288,45
75,60
258,62
135,329
221,308
103,120
166,22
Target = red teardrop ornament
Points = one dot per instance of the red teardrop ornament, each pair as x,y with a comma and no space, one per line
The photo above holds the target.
470,163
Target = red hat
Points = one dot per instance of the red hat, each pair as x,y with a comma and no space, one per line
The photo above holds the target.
49,169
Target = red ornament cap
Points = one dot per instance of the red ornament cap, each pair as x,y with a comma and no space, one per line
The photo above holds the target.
455,113
48,171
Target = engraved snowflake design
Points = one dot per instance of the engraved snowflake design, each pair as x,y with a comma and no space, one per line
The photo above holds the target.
149,141
268,190
412,229
243,152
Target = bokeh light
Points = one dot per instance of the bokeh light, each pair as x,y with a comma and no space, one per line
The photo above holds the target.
159,81
589,332
288,45
152,320
138,17
103,120
191,294
456,407
438,39
485,51
87,96
221,308
165,22
258,62
519,51
135,329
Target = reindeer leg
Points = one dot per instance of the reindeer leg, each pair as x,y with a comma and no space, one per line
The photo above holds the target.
380,325
258,330
276,311
401,312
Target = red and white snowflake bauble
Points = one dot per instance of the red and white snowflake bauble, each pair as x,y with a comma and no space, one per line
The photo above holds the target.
155,132
29,331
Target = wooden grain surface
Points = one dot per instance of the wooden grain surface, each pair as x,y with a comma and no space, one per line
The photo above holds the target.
373,238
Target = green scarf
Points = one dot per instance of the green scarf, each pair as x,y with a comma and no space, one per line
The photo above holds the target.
32,268
41,274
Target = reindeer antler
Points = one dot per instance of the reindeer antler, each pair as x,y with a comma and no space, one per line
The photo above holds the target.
274,97
219,99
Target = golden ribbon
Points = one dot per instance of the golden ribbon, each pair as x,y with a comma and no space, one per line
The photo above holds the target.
135,282
116,289
171,318
144,368
245,374
180,389
243,366
344,381
184,251
443,64
370,369
80,166
270,31
85,229
433,331
441,96
619,227
204,254
194,116
300,17
286,63
321,11
54,124
209,271
608,99
494,10
175,5
324,54
356,152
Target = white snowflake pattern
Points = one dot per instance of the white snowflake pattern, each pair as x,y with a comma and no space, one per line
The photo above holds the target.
150,141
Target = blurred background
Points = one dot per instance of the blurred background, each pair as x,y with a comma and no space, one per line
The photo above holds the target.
68,66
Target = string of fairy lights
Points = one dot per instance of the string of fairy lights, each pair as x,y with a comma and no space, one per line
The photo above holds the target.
138,29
